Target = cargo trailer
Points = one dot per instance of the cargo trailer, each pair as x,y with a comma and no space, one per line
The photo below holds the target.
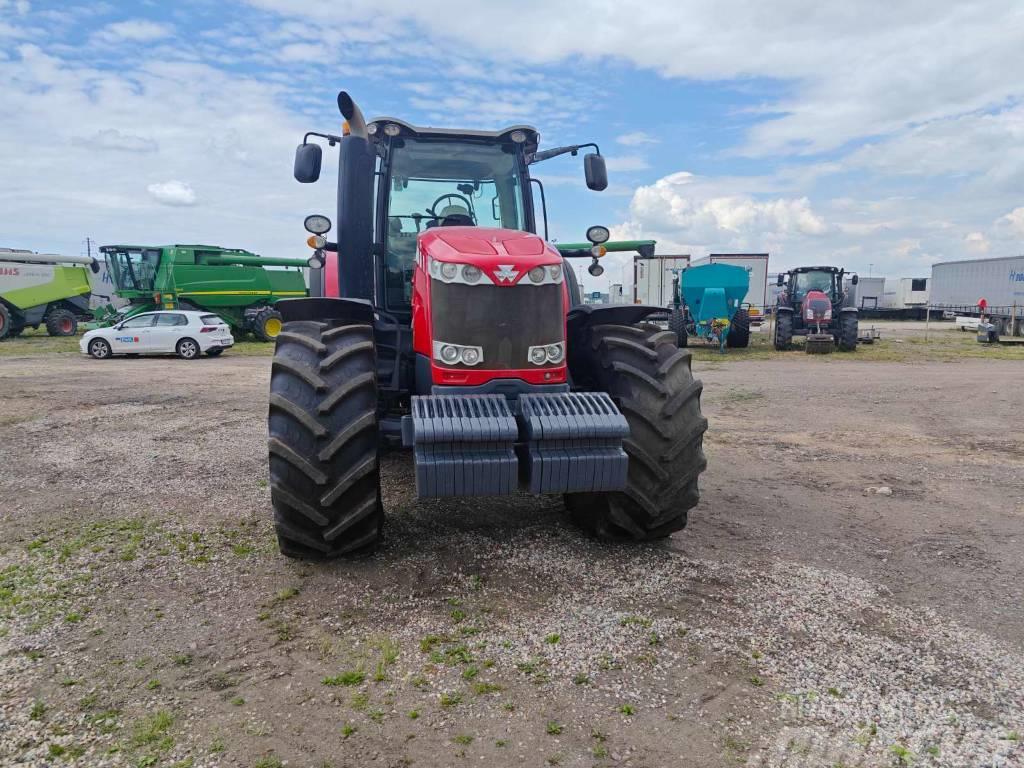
957,287
654,279
867,294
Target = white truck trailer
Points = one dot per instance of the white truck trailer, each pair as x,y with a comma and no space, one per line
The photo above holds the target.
654,278
904,292
957,287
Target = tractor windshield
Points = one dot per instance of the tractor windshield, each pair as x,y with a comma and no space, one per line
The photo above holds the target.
438,182
133,269
818,280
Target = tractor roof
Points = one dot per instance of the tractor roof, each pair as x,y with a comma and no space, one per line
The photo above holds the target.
532,137
816,269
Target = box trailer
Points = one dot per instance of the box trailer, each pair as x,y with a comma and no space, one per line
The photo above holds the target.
868,293
905,292
957,287
654,278
756,265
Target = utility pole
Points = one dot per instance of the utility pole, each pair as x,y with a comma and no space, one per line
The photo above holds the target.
88,247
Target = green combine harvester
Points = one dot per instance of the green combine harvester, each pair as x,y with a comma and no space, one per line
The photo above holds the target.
43,289
229,282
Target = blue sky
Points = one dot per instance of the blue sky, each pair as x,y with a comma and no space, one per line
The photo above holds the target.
881,134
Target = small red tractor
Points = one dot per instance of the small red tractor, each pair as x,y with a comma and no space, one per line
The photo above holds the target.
439,321
813,304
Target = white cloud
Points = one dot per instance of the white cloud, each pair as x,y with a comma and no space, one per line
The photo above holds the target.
172,193
626,163
1012,223
133,31
115,140
636,138
976,243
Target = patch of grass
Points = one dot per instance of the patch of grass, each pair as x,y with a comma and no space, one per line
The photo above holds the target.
483,688
151,729
348,730
351,677
420,682
270,761
37,711
634,621
501,743
105,721
285,594
182,659
508,706
458,654
902,755
1011,736
835,692
359,701
55,750
242,550
469,673
414,714
458,615
581,679
756,681
238,701
430,642
627,709
553,638
463,739
88,701
377,715
600,751
153,684
554,728
555,759
475,582
73,617
450,699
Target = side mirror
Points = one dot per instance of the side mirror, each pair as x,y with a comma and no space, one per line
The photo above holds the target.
854,279
595,171
307,163
781,281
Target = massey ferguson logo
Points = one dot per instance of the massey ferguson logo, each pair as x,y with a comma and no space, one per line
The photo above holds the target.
506,273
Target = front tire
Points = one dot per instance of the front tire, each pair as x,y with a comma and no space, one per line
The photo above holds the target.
267,324
783,330
650,380
188,349
848,332
677,324
99,349
739,330
61,322
324,464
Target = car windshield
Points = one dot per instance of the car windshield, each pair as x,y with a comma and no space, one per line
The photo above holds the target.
813,281
446,182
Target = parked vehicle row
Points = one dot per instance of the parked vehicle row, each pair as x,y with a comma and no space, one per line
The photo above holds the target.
188,334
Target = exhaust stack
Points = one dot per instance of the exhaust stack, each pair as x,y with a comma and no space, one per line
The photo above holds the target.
352,114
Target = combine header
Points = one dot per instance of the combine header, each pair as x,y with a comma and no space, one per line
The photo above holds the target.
442,323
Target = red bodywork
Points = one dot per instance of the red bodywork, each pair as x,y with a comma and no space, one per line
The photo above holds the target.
816,308
490,250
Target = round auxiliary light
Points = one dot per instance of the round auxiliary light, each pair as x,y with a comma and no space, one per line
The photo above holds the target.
555,270
471,274
598,251
392,130
519,137
371,129
598,234
538,356
554,352
536,274
316,241
448,271
315,262
449,353
317,224
595,269
470,356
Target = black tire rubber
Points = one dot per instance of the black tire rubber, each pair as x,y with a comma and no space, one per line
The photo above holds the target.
182,349
650,379
848,331
259,323
677,324
100,344
5,322
783,330
214,352
739,330
61,322
322,422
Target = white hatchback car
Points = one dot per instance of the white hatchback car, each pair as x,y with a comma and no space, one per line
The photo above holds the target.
182,332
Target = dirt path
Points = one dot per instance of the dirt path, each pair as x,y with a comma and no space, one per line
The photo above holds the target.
801,619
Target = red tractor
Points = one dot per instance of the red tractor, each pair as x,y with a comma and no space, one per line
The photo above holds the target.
439,321
814,304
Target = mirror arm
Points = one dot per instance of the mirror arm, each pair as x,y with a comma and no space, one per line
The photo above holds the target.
331,138
547,154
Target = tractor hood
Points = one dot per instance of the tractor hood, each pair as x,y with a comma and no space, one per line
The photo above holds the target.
817,306
504,255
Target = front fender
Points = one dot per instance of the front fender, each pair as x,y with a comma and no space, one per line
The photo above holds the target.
352,310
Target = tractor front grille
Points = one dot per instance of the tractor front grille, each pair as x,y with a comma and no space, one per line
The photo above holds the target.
505,321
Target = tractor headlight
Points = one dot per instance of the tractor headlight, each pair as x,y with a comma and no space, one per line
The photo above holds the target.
536,275
449,271
452,272
555,270
453,354
471,274
547,354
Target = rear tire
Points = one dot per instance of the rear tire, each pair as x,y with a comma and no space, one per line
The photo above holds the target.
99,349
783,330
324,464
677,324
61,322
848,332
188,349
650,380
739,330
267,324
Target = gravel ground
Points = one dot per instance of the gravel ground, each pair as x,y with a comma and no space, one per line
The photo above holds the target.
847,593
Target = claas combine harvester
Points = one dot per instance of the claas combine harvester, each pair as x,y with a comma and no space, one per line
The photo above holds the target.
441,322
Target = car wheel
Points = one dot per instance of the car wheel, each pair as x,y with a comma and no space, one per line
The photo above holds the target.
188,349
99,349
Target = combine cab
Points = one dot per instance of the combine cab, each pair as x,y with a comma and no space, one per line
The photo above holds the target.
442,323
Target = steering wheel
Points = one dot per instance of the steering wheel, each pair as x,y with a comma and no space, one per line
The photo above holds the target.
459,198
